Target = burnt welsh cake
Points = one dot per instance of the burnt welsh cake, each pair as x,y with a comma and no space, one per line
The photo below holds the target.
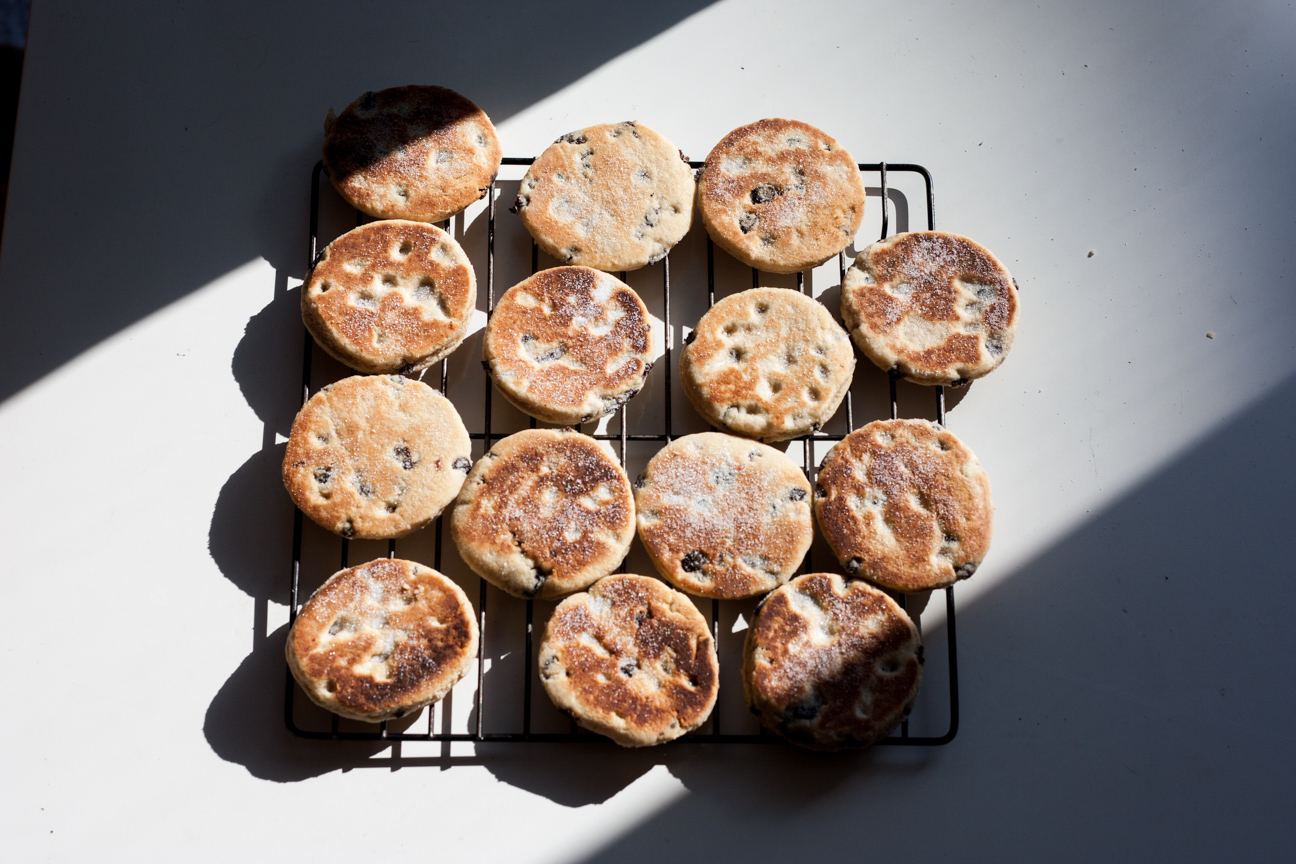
390,296
905,504
544,513
830,663
569,345
382,639
631,659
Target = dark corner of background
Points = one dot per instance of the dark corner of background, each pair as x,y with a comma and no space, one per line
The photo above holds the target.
13,41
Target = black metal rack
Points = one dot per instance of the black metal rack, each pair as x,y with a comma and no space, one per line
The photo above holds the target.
709,732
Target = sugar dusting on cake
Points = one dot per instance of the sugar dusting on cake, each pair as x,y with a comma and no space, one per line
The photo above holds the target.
938,306
597,338
724,517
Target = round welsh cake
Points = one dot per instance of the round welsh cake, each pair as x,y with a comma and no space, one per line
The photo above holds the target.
767,363
569,345
545,512
382,639
415,152
936,307
829,663
631,659
390,296
905,504
724,517
376,456
780,195
614,197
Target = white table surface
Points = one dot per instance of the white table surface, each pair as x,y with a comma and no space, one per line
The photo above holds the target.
1125,652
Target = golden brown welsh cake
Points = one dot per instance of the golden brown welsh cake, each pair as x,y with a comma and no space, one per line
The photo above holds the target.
382,639
724,517
376,456
631,659
781,195
905,504
614,197
829,663
767,363
545,512
390,296
415,152
569,344
936,307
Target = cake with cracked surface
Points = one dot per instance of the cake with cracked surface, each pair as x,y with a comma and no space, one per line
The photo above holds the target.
382,639
569,344
781,195
936,307
829,663
767,363
376,456
905,504
390,296
631,659
545,512
414,152
724,517
615,197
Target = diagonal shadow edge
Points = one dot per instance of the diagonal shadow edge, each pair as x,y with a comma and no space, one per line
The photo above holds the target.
1121,678
213,181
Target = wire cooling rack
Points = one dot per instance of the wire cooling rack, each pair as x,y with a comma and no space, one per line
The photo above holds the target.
308,721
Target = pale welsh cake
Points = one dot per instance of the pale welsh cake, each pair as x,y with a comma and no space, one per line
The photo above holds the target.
936,307
544,513
831,663
780,195
390,296
631,659
569,344
905,504
382,639
415,152
724,517
614,197
376,456
767,363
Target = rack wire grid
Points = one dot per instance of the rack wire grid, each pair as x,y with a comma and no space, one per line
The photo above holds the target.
296,706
